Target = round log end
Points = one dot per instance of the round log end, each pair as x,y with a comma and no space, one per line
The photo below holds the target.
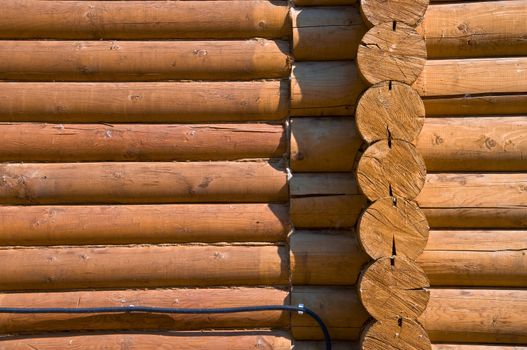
391,51
401,334
390,109
391,288
375,12
391,169
393,225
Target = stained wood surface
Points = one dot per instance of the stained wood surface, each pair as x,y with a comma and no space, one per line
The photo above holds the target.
476,29
391,288
473,76
29,19
184,298
474,144
477,347
492,217
129,224
387,226
30,142
142,266
326,33
325,257
323,2
476,105
325,88
477,316
403,334
390,109
474,190
144,101
476,258
323,144
78,183
221,340
376,12
391,51
391,168
143,60
325,200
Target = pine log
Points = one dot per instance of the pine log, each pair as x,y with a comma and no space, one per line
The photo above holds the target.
325,200
476,190
476,29
140,102
319,345
497,218
476,105
220,340
389,226
143,60
376,12
38,142
326,33
313,142
80,183
390,110
140,224
391,288
323,2
477,347
476,258
30,19
391,51
477,316
401,334
325,88
474,144
391,168
339,307
142,266
325,258
182,298
473,76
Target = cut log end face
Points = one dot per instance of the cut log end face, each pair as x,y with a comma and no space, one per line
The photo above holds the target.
397,334
391,168
391,288
390,109
411,12
391,51
393,225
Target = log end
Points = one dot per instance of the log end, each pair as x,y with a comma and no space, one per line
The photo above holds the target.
402,334
375,12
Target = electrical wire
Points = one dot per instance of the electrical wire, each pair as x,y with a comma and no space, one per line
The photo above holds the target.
301,309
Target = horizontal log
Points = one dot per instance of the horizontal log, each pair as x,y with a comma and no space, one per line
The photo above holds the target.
140,224
40,183
140,102
323,2
475,29
183,298
339,307
477,316
326,33
474,144
142,266
325,257
31,142
221,340
476,105
476,190
498,218
477,347
473,76
476,258
325,200
143,60
319,345
325,88
145,20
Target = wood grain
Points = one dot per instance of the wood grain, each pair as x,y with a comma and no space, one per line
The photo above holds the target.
463,217
376,12
403,334
476,105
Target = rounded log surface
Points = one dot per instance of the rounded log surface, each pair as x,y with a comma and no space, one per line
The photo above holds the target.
410,12
394,169
391,51
401,334
390,108
388,226
391,288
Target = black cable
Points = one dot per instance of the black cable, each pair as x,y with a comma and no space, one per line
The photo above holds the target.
165,310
